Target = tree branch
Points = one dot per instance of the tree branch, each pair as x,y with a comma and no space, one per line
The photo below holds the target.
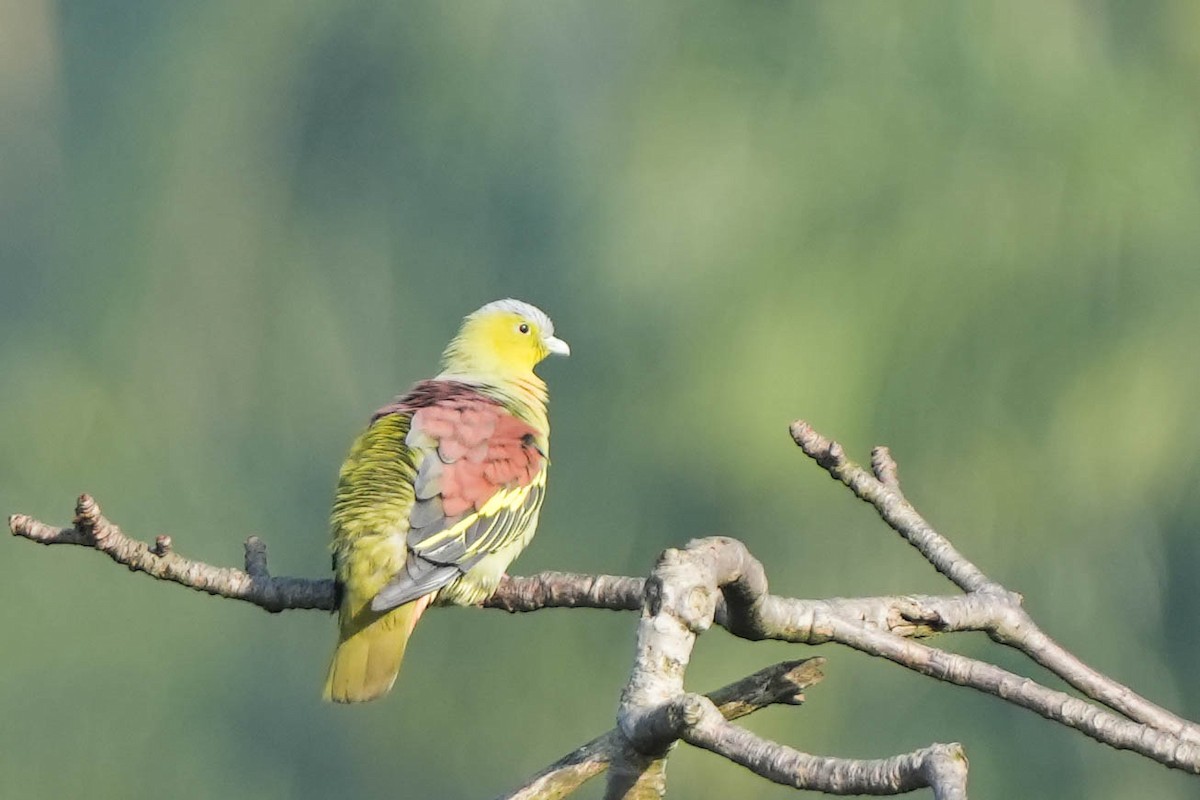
941,767
1103,726
1005,621
717,580
782,683
892,506
681,602
254,583
906,615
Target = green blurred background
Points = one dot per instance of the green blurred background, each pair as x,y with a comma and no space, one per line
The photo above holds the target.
228,231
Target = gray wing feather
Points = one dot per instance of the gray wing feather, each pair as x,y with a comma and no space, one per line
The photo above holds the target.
428,483
432,565
430,568
419,578
425,514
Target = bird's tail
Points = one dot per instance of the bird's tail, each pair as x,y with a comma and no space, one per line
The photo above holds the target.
369,652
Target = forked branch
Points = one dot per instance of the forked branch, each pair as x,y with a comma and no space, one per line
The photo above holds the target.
780,684
717,581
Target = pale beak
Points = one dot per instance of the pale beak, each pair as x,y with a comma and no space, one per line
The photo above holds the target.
557,346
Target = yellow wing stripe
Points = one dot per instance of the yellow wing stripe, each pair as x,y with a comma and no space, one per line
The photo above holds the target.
496,529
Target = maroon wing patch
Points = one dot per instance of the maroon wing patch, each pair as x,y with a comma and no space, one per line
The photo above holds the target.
474,448
482,447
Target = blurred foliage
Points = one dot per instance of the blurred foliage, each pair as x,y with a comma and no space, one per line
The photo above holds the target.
228,231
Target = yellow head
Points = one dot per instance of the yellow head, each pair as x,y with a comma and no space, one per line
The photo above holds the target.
505,338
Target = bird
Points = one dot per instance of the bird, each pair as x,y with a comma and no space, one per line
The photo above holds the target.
440,493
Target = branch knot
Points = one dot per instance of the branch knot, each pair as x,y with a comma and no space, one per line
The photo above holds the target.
87,517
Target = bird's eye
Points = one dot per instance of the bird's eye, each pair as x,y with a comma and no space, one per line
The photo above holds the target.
523,327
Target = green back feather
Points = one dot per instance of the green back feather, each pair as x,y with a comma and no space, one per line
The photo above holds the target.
375,487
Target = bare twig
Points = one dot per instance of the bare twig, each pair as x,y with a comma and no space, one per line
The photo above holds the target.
884,467
941,767
894,509
567,590
254,583
1003,617
779,684
1089,719
1014,627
